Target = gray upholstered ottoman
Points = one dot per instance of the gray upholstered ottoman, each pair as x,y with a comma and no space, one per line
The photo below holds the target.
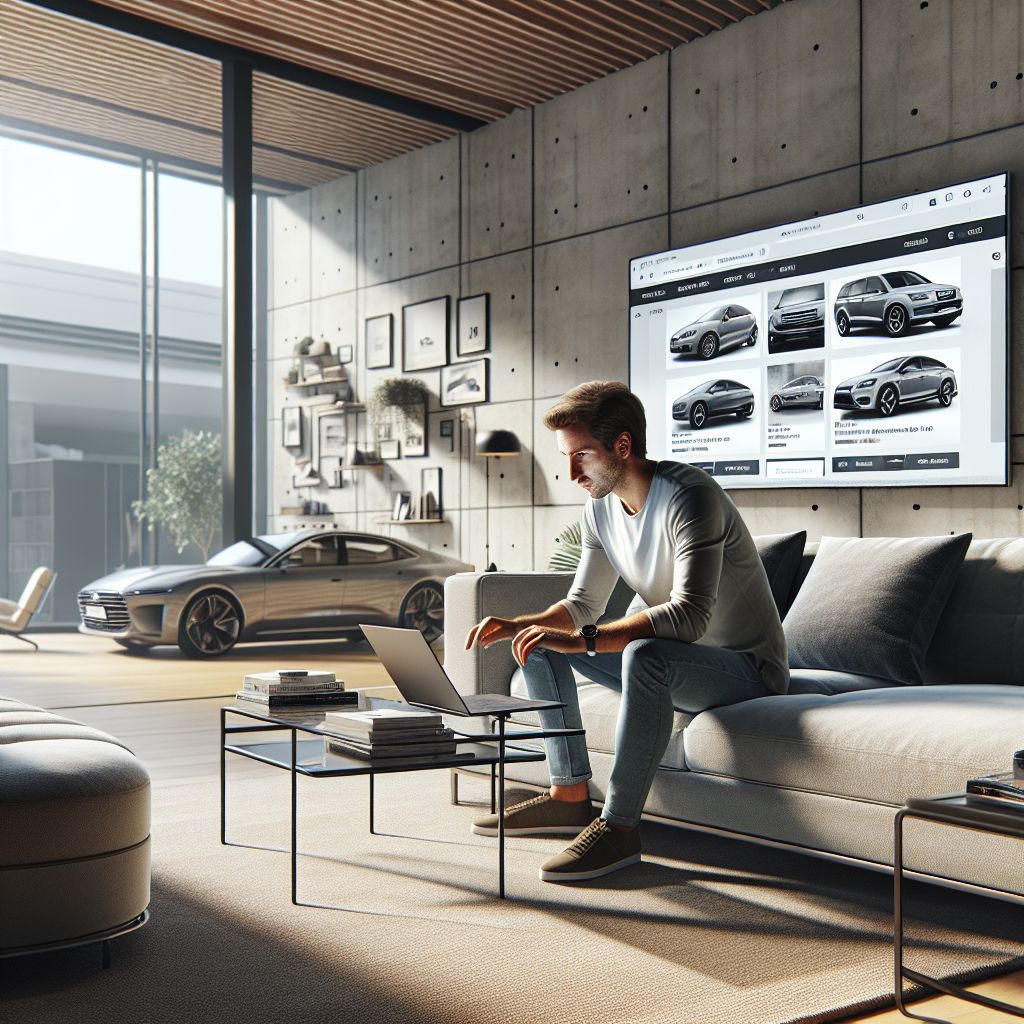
74,839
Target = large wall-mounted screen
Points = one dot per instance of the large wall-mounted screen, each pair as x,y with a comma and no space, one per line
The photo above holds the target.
861,349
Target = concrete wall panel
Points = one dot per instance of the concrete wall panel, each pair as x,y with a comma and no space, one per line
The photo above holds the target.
333,319
581,301
509,282
289,270
771,99
548,524
288,326
940,71
511,478
410,222
333,237
600,157
797,200
831,512
497,176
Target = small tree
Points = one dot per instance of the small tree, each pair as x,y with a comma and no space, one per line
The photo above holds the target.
185,490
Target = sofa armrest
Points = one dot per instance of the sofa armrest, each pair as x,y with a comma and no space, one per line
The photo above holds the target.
470,597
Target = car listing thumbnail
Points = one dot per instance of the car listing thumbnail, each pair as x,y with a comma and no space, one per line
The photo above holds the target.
862,348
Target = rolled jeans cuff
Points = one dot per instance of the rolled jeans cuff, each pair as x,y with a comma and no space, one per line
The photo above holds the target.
573,781
618,819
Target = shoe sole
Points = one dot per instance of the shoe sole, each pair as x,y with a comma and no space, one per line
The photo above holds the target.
551,830
585,876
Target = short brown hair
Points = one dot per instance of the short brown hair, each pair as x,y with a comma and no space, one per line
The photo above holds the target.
607,408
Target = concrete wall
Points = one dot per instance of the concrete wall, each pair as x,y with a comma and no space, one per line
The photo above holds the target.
812,107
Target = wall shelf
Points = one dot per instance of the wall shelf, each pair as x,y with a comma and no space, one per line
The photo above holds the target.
407,522
377,467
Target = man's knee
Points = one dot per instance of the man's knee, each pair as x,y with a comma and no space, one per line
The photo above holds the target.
647,654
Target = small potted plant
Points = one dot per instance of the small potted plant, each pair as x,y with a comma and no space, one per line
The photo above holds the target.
395,401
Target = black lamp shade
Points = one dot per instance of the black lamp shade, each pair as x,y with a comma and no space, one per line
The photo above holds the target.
497,442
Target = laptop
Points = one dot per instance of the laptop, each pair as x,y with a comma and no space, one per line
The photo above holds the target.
422,681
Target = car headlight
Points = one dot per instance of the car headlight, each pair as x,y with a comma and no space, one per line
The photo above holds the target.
920,297
867,383
686,334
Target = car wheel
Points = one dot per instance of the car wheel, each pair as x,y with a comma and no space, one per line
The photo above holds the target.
776,403
752,340
842,323
423,609
746,412
821,402
888,400
946,393
698,415
708,347
943,321
209,626
895,320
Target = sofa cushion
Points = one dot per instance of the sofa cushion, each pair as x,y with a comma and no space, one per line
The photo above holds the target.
882,745
780,555
870,605
980,636
599,708
828,681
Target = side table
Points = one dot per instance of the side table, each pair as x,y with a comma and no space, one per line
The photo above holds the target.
955,810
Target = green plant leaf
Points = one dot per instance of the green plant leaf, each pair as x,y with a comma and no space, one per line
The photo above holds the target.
566,557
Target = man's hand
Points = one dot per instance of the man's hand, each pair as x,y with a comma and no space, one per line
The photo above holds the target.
491,630
527,640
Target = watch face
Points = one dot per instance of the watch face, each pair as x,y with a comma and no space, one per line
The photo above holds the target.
589,630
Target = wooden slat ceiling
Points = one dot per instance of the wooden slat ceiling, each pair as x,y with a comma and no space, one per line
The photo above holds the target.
482,58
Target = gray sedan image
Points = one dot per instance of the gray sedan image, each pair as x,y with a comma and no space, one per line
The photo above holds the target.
303,585
895,301
802,393
718,331
906,380
798,319
713,399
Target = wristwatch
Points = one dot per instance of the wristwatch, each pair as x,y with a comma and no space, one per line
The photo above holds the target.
589,634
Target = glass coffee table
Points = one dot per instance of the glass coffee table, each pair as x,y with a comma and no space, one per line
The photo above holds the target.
303,753
956,810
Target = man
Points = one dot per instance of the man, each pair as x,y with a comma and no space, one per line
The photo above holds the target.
702,632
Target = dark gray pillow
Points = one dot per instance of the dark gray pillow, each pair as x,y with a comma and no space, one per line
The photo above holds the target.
870,605
780,555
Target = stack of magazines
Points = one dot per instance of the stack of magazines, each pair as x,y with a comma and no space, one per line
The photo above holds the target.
295,691
387,733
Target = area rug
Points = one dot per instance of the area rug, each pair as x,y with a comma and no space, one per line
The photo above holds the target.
705,930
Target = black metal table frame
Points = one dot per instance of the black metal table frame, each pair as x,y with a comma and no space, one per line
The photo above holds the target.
370,769
948,988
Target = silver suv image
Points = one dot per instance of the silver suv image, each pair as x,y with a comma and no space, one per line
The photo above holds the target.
718,331
798,319
802,393
906,380
712,399
895,301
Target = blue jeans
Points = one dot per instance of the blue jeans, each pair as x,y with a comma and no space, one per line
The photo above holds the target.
656,677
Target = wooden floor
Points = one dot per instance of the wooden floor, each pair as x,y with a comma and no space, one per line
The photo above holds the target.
164,706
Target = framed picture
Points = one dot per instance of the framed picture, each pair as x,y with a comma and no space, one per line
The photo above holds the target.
291,426
412,430
390,449
425,334
344,354
474,331
380,342
333,435
464,383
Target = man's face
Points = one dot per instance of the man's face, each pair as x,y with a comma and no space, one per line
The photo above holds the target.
597,470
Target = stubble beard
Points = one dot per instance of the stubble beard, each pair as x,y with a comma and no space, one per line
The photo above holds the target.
604,482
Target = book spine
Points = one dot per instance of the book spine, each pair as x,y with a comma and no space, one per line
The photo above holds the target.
370,752
419,736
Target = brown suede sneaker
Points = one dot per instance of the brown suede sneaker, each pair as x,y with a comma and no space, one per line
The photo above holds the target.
539,816
598,851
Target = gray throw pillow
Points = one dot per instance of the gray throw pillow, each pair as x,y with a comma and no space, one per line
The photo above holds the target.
780,555
870,605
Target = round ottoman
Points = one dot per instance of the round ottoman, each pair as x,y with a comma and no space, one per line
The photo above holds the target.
74,846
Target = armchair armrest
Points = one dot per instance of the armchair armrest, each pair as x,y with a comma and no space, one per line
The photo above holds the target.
470,597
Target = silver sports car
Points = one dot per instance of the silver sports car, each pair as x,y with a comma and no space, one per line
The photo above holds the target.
303,585
712,399
719,330
902,381
802,393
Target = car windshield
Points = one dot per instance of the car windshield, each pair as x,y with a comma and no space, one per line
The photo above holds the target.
699,389
886,367
905,279
714,314
243,552
811,293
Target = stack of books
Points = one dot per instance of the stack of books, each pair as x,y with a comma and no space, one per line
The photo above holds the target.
388,733
295,691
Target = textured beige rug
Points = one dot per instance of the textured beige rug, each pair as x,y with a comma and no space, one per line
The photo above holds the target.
705,930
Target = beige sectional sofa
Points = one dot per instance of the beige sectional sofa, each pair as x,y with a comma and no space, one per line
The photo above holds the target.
823,768
74,845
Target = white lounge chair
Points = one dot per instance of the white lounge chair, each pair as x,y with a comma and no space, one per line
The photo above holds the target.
15,616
